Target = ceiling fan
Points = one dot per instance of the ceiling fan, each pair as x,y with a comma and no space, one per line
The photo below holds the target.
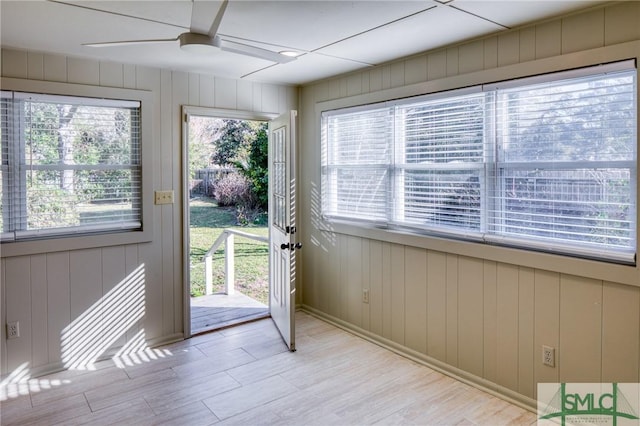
202,36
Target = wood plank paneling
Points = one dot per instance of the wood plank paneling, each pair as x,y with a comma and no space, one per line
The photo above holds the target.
386,76
470,315
39,310
471,56
257,97
375,288
269,98
3,316
85,280
174,231
353,280
397,73
354,85
526,295
83,71
622,22
226,93
18,293
151,253
579,358
490,323
415,299
375,80
437,65
343,285
366,282
452,309
437,305
547,323
113,273
386,290
365,82
111,74
452,61
333,278
527,44
397,293
491,53
245,95
620,330
14,63
508,48
55,68
194,89
130,76
548,39
415,70
207,88
583,31
58,300
507,329
35,66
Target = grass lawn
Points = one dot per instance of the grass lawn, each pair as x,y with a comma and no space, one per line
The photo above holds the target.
251,260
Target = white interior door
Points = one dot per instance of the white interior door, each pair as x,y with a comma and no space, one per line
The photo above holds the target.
282,225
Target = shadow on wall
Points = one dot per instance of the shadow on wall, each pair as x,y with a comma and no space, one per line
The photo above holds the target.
99,327
325,230
92,334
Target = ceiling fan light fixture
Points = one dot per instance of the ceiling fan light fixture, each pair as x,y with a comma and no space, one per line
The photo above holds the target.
196,43
290,53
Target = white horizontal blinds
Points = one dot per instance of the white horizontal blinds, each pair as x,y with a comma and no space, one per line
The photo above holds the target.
5,117
356,168
439,162
79,167
566,167
545,163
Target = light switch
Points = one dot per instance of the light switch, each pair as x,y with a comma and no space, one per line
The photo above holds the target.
164,197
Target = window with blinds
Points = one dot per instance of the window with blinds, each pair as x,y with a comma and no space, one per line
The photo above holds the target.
358,154
69,165
547,163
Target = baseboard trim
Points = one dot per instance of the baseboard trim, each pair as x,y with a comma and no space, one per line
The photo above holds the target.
494,389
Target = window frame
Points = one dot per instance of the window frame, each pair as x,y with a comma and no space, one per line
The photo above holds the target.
504,252
74,240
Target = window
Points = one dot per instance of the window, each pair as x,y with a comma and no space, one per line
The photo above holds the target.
70,165
546,163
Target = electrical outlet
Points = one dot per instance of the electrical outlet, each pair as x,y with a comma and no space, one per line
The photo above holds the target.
365,295
164,197
548,356
13,330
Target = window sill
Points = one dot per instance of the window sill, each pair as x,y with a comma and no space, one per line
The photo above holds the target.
599,270
49,245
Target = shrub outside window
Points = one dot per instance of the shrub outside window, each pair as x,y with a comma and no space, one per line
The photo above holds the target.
545,163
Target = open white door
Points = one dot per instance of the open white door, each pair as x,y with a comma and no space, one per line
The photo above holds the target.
282,225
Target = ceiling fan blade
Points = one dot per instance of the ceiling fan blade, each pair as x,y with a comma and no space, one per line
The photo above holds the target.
201,13
256,52
128,42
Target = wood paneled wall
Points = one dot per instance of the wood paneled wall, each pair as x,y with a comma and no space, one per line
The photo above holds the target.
47,291
486,318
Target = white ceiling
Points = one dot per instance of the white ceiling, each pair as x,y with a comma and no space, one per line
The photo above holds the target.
332,36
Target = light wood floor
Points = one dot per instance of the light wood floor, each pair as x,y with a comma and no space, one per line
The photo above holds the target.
245,376
221,310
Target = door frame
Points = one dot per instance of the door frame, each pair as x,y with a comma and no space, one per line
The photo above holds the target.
186,111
